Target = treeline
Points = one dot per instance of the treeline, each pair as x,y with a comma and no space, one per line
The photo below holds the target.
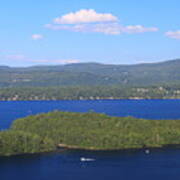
91,92
47,132
20,142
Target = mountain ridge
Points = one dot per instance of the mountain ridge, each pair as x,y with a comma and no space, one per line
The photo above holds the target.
88,74
95,63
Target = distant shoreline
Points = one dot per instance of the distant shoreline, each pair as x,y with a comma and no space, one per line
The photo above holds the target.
91,99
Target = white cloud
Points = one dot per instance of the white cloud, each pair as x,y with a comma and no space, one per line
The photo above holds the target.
22,58
85,16
139,29
105,28
89,21
56,61
173,34
37,36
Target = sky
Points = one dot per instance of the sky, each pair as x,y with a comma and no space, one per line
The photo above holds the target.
57,32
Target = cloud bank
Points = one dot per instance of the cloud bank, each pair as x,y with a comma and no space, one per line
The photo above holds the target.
89,21
173,34
108,28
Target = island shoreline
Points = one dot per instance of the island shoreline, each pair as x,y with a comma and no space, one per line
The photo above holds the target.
68,149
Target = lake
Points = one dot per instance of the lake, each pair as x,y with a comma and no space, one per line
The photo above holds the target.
66,165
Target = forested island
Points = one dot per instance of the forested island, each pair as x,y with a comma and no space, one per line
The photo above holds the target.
89,131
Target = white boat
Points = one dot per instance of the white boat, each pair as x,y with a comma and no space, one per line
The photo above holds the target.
147,151
83,159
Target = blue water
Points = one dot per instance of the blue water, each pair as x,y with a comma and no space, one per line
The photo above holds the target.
148,109
66,165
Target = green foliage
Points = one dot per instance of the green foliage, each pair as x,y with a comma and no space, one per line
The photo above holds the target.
88,74
47,132
20,142
91,92
91,81
90,130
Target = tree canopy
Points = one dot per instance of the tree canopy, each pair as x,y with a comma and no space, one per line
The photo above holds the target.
47,132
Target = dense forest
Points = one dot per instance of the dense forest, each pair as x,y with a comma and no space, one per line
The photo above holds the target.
88,74
91,81
47,132
91,92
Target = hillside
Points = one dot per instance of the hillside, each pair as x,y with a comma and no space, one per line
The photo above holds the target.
86,74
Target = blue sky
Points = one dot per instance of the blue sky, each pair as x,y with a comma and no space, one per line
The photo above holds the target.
106,31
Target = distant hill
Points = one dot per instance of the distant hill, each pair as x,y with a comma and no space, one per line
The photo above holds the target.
86,74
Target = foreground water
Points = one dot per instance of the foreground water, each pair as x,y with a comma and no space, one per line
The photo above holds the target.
66,165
